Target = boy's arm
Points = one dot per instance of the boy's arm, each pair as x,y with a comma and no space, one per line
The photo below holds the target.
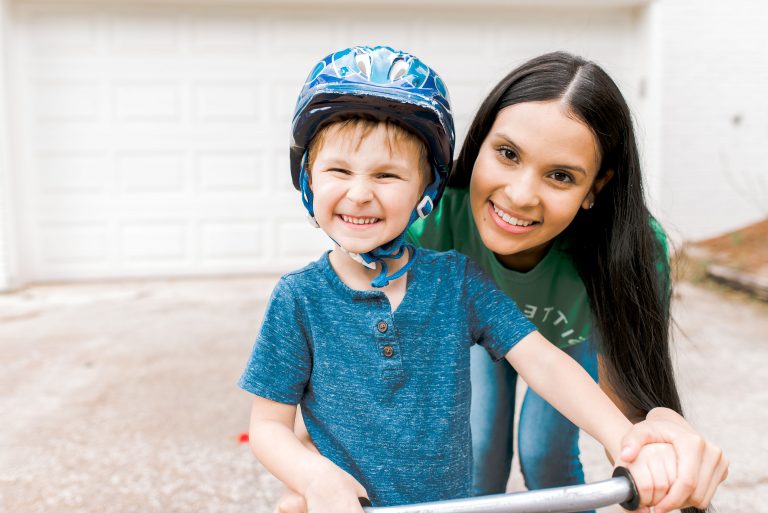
325,486
300,429
565,385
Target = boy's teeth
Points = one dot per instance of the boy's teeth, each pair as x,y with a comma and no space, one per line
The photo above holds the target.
511,220
359,220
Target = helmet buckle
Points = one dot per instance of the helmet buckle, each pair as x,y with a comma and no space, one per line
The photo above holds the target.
425,206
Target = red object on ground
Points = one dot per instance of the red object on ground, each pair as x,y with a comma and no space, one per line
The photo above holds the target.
243,438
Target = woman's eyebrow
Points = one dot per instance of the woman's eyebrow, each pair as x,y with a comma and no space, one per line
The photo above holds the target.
506,138
509,141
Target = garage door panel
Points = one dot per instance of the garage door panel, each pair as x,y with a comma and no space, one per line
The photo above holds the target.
155,101
73,243
227,240
70,100
72,172
55,30
228,101
159,33
229,34
143,242
152,173
231,172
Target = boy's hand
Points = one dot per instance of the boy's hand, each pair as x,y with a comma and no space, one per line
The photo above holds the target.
654,471
290,502
334,492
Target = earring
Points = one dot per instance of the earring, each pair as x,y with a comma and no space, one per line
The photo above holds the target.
589,201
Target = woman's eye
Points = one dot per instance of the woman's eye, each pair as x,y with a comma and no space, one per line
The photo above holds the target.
562,177
508,153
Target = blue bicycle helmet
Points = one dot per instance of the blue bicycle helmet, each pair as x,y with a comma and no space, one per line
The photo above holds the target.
388,85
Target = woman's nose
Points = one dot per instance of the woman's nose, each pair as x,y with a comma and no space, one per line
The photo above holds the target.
522,189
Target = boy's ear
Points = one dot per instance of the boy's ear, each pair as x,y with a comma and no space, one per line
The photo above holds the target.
597,186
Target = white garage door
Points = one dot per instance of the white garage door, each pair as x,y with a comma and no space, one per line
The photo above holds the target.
153,140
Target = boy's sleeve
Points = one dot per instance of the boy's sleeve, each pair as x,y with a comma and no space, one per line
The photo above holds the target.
280,363
495,320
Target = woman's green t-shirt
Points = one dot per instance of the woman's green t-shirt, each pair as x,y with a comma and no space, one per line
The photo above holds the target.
551,294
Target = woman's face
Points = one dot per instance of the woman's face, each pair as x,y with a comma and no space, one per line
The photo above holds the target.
535,169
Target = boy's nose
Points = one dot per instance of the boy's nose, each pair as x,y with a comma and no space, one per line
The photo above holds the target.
360,192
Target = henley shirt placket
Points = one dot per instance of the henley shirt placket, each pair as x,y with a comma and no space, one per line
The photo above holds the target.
387,341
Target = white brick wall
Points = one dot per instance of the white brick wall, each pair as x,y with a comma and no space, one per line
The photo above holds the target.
714,108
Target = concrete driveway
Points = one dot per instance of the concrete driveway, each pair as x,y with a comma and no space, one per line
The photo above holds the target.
121,397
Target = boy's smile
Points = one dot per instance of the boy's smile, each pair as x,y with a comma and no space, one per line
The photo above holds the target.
359,221
365,186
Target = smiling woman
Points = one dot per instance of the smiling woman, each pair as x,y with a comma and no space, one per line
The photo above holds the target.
547,196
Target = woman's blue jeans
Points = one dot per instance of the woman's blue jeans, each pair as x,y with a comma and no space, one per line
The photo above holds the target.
548,442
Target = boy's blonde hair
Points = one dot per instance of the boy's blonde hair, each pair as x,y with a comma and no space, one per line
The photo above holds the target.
357,128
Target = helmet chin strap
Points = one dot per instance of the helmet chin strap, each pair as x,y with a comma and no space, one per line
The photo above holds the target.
393,249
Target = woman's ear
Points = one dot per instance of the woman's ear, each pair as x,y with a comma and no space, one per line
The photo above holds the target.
597,186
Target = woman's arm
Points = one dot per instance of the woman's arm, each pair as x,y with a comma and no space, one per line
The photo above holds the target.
701,465
324,485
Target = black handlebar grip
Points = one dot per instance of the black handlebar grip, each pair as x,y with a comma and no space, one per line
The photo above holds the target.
633,502
364,502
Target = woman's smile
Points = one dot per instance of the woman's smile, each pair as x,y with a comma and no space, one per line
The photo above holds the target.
510,223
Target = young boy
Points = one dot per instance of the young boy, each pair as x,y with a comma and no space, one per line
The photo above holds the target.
373,338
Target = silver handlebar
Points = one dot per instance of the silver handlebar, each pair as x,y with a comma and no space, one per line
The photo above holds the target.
566,499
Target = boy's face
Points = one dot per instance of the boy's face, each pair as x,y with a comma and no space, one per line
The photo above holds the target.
364,193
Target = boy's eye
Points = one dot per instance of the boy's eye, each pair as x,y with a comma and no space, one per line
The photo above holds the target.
385,176
561,176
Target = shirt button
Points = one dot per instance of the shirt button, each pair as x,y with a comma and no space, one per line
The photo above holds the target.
382,327
388,351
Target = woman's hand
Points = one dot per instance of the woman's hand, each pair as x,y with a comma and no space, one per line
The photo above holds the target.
701,465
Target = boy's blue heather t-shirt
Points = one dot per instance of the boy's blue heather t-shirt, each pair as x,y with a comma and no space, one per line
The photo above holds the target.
385,395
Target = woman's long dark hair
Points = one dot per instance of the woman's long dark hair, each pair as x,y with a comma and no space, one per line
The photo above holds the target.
613,246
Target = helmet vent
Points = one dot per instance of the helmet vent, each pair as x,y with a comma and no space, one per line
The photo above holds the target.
363,62
398,69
